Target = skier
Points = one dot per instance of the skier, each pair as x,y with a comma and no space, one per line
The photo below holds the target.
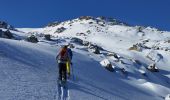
62,58
69,62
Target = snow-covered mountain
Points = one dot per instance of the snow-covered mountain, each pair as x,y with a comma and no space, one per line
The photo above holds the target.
110,61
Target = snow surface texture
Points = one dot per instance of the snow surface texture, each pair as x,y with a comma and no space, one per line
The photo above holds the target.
29,71
167,97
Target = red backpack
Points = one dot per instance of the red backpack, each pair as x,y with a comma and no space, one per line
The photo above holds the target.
63,54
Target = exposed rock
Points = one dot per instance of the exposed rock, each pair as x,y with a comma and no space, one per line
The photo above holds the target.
53,24
85,17
90,22
152,67
6,25
140,29
71,45
91,46
86,43
116,56
7,34
94,48
107,64
145,41
139,47
123,70
81,34
113,21
77,40
135,47
59,30
32,39
168,41
47,37
88,31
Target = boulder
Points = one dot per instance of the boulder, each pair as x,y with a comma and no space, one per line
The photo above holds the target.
47,37
107,64
81,34
32,39
90,22
71,45
168,41
152,67
94,48
88,31
135,48
77,40
139,47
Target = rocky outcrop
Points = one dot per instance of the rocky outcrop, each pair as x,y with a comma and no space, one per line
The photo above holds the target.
53,24
60,30
32,39
152,67
85,17
135,48
107,64
77,40
6,34
81,34
47,37
6,26
139,47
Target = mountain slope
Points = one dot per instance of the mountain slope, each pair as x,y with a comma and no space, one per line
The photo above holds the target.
30,71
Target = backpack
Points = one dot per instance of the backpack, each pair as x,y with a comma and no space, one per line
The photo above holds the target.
70,54
63,55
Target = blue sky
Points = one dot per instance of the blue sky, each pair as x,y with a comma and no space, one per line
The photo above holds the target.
37,13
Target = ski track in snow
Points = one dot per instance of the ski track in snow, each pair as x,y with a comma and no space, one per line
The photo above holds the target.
63,93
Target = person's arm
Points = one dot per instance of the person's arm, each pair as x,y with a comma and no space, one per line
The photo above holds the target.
57,55
71,53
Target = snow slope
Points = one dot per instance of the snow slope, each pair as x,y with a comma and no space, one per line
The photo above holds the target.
29,71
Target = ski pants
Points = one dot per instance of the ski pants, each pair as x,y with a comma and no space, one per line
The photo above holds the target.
62,71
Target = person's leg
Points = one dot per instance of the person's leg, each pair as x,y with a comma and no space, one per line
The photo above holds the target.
65,71
60,71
